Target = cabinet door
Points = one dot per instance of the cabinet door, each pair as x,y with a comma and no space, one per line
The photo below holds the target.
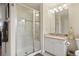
55,46
49,45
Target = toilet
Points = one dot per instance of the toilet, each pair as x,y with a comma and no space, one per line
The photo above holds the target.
77,51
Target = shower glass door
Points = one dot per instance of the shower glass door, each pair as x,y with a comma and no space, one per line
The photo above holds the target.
24,33
27,31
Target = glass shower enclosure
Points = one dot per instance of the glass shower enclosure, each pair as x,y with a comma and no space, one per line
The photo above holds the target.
27,31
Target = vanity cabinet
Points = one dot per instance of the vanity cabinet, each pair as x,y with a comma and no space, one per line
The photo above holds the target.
55,46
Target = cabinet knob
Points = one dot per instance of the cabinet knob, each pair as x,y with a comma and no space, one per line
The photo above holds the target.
67,43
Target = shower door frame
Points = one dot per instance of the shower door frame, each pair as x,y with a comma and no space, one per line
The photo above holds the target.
34,52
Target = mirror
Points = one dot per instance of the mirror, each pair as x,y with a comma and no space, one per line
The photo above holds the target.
60,20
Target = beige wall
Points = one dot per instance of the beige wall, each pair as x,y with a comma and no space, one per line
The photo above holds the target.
74,23
74,17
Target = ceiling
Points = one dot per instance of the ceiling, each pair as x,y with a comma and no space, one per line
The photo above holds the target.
37,5
33,5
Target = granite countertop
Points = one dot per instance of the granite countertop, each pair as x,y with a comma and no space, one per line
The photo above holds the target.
57,36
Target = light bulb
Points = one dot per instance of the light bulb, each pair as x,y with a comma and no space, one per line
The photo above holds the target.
56,10
60,8
65,6
37,14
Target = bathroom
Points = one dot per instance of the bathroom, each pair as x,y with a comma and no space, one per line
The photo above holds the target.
37,29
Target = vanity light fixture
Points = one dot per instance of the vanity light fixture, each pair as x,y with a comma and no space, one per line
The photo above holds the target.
60,8
55,10
65,6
